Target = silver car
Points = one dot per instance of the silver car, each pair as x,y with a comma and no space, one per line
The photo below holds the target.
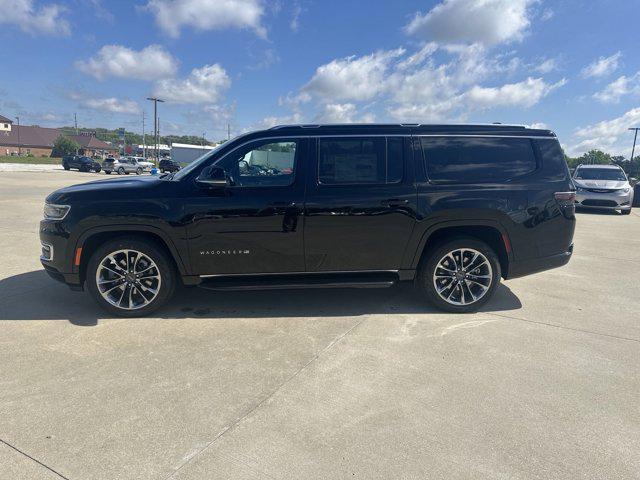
603,186
123,165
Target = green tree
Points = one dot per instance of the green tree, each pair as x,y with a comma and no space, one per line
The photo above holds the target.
64,146
596,157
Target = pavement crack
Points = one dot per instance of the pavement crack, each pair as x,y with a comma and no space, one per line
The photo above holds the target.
34,459
233,425
562,327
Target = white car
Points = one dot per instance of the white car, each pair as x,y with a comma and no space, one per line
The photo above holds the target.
142,161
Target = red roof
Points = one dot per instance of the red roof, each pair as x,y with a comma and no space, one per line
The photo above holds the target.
91,142
29,136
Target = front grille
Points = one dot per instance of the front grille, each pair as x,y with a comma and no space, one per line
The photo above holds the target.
602,190
599,203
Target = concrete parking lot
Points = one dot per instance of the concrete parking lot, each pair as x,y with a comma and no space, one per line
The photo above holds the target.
543,383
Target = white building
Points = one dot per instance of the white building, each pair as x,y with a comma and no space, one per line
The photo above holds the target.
185,153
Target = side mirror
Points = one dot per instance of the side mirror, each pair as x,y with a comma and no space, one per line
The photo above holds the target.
212,177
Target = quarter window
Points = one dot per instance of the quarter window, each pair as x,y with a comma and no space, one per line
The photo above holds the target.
349,161
477,160
267,165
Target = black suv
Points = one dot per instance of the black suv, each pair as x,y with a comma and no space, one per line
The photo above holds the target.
168,165
83,164
451,208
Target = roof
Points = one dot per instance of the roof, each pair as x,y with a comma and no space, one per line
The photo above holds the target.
409,129
189,145
608,167
91,142
5,119
29,136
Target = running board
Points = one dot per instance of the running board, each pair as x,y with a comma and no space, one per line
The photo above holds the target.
285,282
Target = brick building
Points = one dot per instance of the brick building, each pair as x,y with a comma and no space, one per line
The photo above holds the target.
38,141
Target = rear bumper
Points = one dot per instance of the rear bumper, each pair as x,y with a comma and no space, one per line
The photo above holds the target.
527,267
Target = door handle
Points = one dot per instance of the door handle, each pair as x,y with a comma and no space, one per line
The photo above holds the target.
394,202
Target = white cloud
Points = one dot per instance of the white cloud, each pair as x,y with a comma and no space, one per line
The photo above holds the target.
522,94
294,24
46,19
617,89
547,66
203,15
547,14
113,105
603,66
150,63
343,113
203,85
611,136
489,22
272,121
352,78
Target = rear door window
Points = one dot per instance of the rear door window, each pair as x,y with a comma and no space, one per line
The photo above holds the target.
477,159
360,161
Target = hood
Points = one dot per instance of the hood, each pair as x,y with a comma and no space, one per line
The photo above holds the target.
119,188
603,184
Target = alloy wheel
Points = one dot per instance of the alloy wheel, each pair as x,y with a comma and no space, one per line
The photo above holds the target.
128,279
462,276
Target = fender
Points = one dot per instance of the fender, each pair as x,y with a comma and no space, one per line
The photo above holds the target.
414,259
183,266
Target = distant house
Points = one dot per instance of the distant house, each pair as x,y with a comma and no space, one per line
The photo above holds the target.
38,141
26,139
91,146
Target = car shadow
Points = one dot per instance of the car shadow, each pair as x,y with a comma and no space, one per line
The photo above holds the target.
34,296
597,211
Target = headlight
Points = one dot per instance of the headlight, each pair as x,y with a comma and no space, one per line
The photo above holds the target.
55,212
625,190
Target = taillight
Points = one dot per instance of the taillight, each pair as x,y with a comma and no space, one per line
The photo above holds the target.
565,197
566,202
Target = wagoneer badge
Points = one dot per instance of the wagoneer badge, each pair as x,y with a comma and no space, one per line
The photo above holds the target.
225,252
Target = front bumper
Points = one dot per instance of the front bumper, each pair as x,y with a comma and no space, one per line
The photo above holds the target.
613,200
57,256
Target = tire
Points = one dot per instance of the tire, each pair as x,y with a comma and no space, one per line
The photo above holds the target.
138,171
162,171
97,169
120,170
626,212
470,282
129,299
107,172
65,166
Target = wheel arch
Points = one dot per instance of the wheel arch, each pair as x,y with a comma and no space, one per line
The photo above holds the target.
92,239
490,232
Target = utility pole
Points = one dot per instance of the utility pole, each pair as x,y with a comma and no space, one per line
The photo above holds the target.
156,135
228,132
19,143
203,134
144,143
75,121
635,137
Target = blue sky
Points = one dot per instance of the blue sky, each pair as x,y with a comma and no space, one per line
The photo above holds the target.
570,65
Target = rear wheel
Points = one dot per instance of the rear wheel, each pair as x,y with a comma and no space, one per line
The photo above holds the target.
97,169
130,277
138,171
460,275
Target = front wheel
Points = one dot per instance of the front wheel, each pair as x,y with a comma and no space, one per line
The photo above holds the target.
65,166
108,172
626,212
138,171
120,171
460,275
130,277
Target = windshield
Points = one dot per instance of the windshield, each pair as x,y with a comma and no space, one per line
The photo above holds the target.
179,175
600,174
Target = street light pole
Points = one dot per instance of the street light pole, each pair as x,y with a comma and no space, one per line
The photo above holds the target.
635,137
155,101
19,144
